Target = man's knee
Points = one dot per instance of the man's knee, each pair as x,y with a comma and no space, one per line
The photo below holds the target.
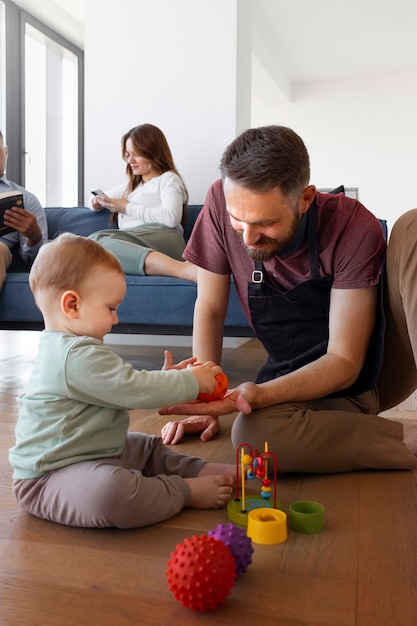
5,260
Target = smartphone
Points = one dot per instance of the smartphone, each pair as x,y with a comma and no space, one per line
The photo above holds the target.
97,192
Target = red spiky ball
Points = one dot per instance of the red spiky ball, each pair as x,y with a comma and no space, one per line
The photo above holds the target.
201,572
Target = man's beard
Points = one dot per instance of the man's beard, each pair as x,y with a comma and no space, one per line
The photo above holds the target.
273,246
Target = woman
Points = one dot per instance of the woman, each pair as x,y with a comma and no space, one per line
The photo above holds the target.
149,209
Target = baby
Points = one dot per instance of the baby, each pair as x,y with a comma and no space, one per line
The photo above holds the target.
74,460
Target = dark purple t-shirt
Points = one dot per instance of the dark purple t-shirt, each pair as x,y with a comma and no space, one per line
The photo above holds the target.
351,246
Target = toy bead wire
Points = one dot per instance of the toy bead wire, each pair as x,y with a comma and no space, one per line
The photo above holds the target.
242,456
257,466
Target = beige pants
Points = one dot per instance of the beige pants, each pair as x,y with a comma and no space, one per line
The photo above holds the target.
5,260
143,486
344,434
398,378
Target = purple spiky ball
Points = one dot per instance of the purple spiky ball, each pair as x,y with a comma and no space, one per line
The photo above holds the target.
239,544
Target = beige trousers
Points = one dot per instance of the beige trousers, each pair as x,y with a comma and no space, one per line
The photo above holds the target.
344,434
5,260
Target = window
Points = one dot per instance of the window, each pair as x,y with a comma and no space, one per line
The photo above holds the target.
2,66
51,97
43,110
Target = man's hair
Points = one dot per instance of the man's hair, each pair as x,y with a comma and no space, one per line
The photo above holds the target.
64,262
267,157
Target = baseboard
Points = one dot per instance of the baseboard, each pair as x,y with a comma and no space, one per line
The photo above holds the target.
165,340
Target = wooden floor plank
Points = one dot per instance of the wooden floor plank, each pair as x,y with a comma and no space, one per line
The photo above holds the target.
387,577
360,571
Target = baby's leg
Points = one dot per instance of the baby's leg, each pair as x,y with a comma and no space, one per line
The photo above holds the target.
162,459
104,494
214,469
210,491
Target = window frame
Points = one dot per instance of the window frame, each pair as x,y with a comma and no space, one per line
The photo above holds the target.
16,20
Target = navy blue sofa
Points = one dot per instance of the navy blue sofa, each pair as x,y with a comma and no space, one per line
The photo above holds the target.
156,305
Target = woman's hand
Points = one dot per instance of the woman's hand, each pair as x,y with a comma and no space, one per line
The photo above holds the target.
95,203
117,205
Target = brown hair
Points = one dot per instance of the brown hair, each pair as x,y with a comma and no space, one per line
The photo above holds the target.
64,262
151,144
267,157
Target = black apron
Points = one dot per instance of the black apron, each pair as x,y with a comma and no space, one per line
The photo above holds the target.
293,325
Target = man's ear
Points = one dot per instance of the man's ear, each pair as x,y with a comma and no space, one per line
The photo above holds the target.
70,304
307,198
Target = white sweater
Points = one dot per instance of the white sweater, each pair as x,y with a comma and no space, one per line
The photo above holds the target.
160,200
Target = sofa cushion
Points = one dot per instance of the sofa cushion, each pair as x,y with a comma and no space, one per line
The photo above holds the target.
83,221
78,220
153,304
161,299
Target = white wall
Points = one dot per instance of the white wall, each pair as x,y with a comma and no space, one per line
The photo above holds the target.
172,64
360,132
185,66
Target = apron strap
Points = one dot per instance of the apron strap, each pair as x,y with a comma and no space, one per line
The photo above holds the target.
258,276
312,241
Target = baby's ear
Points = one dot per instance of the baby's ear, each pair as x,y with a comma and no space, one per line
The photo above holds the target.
70,301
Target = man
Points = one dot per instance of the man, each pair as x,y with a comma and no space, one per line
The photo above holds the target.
30,223
307,268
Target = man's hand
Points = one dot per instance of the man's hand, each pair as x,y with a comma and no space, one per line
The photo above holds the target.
207,426
204,420
25,223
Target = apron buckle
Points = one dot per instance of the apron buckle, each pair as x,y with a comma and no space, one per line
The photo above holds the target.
257,276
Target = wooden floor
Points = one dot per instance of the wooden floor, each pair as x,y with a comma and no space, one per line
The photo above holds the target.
360,571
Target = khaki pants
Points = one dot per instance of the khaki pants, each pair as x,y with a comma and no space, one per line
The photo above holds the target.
5,260
133,245
344,434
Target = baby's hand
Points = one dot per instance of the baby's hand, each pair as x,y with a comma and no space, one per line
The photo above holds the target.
218,392
206,376
169,365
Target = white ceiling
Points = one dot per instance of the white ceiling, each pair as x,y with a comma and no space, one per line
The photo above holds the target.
304,40
326,39
76,8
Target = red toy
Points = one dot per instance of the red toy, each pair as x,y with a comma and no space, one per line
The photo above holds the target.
201,572
219,391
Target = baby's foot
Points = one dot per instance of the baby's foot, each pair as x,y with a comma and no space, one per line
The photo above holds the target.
210,492
214,469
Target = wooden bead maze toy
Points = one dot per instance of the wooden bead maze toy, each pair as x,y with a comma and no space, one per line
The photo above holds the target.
253,465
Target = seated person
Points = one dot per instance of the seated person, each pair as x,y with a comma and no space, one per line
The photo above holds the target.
149,209
74,461
307,267
31,229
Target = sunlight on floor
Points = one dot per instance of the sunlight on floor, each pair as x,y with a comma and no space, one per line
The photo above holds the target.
14,342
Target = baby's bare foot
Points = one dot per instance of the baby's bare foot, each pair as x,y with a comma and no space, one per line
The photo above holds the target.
210,492
214,469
